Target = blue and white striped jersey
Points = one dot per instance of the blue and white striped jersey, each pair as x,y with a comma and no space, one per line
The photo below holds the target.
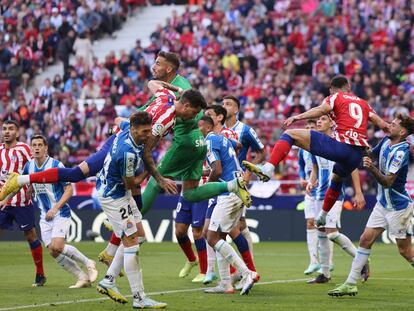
248,139
393,160
47,195
219,148
122,160
325,168
305,167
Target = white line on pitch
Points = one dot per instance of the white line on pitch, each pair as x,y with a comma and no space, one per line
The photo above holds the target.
49,304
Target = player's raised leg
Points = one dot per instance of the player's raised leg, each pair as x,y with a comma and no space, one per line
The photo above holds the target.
89,167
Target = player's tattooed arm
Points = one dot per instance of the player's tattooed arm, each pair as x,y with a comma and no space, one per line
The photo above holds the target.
216,171
310,114
358,199
384,180
167,184
155,85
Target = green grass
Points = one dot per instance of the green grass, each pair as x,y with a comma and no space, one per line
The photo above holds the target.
391,285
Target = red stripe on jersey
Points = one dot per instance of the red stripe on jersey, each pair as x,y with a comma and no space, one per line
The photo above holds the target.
13,160
162,110
229,133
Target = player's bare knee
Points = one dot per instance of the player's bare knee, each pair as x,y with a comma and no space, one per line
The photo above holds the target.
180,230
30,235
365,240
55,250
242,223
197,233
310,223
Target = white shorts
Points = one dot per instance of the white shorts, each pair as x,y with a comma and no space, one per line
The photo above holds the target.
122,213
310,206
333,219
58,227
226,214
398,223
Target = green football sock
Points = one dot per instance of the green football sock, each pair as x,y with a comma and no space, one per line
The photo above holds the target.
205,192
149,195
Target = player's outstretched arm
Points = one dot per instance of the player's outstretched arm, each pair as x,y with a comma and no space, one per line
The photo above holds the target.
384,180
168,185
155,85
378,121
313,113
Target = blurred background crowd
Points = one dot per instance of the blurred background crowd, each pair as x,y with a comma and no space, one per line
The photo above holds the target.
276,56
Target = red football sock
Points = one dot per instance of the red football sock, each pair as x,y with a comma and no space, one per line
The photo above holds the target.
232,269
185,245
114,240
330,198
49,176
279,152
37,254
248,260
202,259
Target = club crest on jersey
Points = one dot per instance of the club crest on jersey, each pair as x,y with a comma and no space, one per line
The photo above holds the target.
129,225
13,159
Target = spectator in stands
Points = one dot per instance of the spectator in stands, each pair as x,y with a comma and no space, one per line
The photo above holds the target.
47,90
72,80
14,74
91,90
65,48
83,48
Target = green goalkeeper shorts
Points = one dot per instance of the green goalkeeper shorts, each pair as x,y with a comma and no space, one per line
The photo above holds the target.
184,159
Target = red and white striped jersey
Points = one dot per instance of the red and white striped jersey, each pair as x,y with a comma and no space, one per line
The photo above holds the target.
162,111
351,115
229,134
13,160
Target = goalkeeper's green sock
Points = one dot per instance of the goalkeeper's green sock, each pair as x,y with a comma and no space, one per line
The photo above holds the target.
207,191
149,195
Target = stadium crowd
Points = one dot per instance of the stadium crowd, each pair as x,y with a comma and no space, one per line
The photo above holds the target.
276,56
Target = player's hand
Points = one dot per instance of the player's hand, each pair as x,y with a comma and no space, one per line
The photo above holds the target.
168,185
303,183
3,204
51,213
367,163
289,121
359,201
310,186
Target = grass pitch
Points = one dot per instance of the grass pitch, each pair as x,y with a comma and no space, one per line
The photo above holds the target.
282,286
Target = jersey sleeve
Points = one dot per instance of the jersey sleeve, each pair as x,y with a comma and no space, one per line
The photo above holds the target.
301,162
163,121
128,164
124,125
331,100
213,150
398,160
26,169
253,140
26,153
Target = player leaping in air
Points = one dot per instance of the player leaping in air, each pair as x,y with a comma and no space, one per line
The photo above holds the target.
351,115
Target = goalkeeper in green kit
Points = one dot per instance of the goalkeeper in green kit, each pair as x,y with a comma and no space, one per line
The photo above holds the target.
184,159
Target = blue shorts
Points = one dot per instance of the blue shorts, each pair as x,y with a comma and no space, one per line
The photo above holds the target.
23,215
211,205
96,160
191,213
347,157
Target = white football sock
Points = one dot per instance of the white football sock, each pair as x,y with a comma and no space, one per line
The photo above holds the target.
71,266
23,180
331,252
231,256
111,249
224,270
211,258
73,253
248,237
312,240
133,271
344,242
358,263
324,253
268,168
117,263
